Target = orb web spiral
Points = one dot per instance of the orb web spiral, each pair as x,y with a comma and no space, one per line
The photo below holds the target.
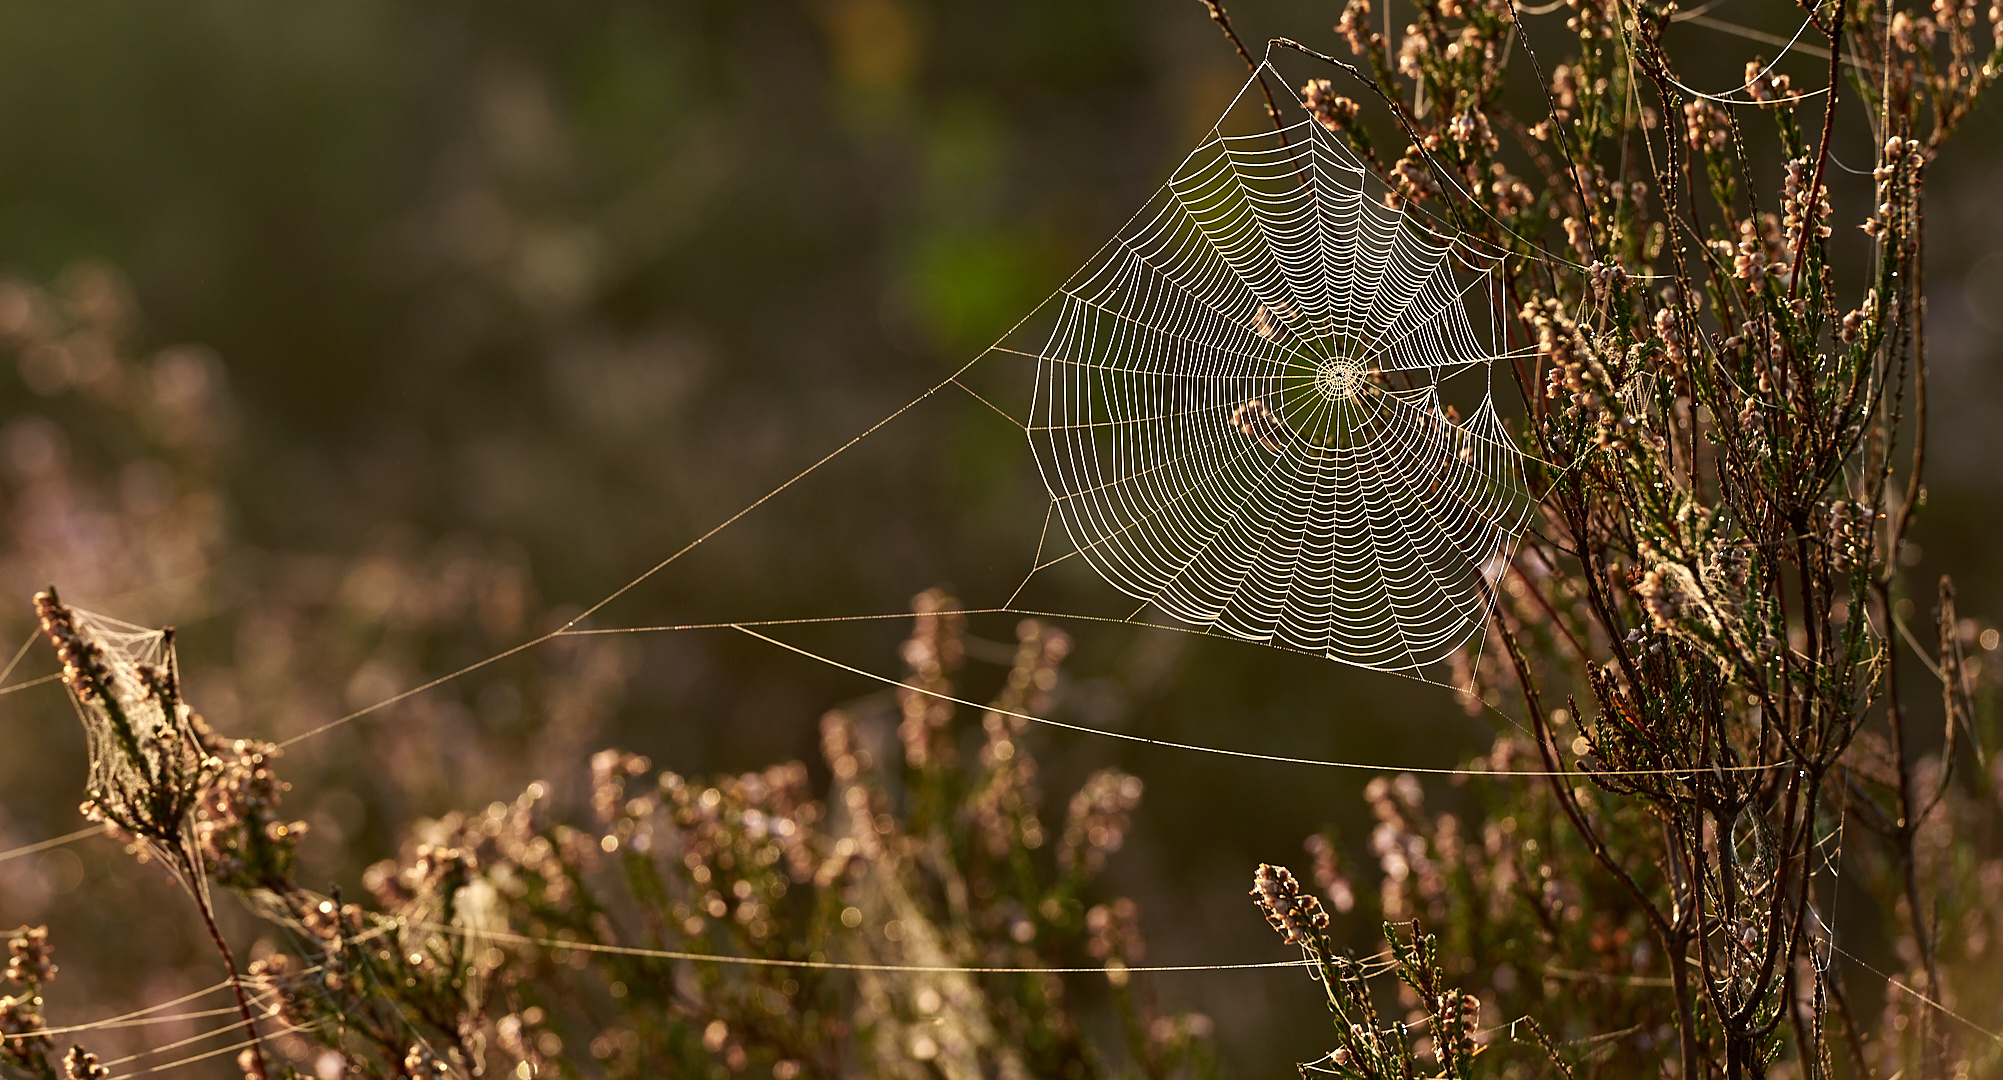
1241,411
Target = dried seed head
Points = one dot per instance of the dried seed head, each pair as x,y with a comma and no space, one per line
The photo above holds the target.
1299,918
28,960
81,1064
148,758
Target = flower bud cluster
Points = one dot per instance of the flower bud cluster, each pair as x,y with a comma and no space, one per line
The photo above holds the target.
1411,850
1758,249
243,839
1802,206
28,960
1851,533
1004,806
1330,110
1415,182
24,1038
1328,876
1113,934
23,1032
1902,158
282,982
81,1064
85,671
1856,324
745,841
1356,27
1297,916
1707,127
1608,278
1669,331
1574,376
1764,84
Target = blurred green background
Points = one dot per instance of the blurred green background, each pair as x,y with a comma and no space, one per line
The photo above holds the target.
364,340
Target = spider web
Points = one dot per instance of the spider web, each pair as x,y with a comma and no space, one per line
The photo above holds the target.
1241,411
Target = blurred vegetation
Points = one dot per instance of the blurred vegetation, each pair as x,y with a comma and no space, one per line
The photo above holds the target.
363,342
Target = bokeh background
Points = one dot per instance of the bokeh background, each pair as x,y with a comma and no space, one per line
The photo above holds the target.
364,340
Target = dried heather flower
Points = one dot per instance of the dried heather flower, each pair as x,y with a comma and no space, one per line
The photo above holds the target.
1355,28
23,1034
1330,110
1802,206
1298,917
147,759
243,840
28,960
150,767
81,1064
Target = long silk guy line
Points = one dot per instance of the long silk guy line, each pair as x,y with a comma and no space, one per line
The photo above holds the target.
834,965
1995,1037
258,1001
219,1051
52,842
50,677
33,633
1247,754
650,572
128,1019
745,627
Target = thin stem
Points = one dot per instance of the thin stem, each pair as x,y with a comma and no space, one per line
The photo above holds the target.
191,866
1223,20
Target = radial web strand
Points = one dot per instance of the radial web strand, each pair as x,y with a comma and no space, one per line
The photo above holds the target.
1242,412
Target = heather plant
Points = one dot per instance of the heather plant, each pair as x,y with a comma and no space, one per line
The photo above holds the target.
1708,641
915,916
1726,830
25,1039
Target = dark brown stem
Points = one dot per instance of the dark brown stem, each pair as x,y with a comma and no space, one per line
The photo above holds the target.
1852,1040
1906,829
191,866
1686,1023
1671,937
1223,20
1916,269
1811,221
